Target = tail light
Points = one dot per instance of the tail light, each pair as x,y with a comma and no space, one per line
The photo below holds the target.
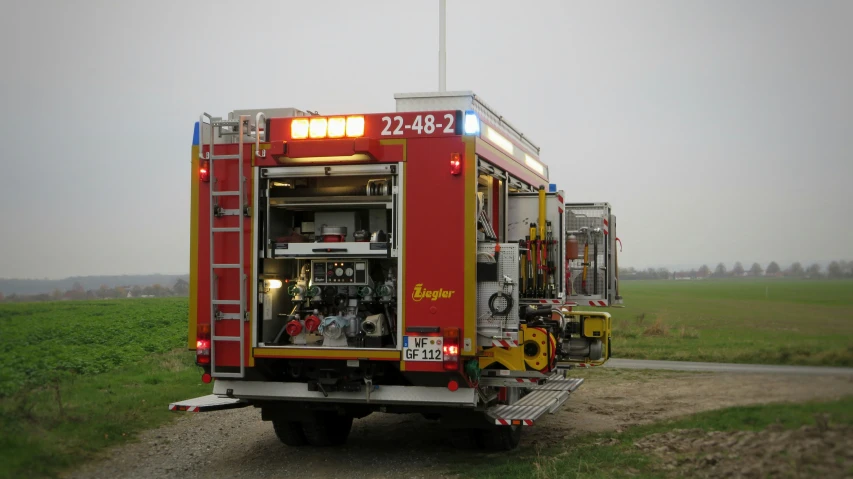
451,349
202,345
204,172
455,164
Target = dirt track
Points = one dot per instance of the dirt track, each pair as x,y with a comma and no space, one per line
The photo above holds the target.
237,443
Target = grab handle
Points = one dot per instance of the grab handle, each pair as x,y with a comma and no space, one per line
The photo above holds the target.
258,152
201,154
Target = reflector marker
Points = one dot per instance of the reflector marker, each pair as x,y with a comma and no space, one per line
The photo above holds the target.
504,343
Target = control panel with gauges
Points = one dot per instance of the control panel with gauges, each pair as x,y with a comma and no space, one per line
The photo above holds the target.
339,272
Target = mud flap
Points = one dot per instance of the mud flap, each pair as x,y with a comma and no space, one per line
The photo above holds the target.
546,397
208,403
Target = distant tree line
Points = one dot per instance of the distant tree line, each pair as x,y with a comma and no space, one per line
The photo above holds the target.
30,286
77,292
836,270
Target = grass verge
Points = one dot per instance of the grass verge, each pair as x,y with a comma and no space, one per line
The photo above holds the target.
50,428
615,454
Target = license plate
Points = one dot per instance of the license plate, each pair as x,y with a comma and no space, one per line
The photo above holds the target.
422,348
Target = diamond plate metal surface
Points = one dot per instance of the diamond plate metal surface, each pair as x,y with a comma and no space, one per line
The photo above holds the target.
544,398
488,324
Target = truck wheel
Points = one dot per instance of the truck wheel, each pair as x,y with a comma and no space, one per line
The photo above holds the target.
502,438
466,438
327,429
289,432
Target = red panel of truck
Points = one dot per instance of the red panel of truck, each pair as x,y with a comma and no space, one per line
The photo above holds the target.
434,285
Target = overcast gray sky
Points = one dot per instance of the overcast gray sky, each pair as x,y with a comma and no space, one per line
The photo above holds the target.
719,130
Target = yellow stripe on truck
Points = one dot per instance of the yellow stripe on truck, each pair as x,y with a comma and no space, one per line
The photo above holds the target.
469,345
193,310
389,355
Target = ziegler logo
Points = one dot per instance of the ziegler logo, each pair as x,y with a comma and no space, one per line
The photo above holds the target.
420,293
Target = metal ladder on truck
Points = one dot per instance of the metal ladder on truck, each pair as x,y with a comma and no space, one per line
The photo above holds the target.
216,212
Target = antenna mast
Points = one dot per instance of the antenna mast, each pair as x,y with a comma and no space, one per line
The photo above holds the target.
442,45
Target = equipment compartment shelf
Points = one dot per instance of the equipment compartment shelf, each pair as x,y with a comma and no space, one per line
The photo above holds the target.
283,250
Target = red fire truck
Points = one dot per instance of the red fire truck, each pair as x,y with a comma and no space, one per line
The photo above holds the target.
418,261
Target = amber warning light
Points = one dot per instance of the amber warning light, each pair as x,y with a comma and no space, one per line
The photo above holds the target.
333,127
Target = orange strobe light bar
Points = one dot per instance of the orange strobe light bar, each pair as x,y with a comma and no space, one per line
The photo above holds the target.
331,127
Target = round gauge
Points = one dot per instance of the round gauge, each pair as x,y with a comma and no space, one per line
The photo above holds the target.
339,272
349,271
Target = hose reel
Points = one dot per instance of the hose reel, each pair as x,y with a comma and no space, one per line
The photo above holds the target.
540,349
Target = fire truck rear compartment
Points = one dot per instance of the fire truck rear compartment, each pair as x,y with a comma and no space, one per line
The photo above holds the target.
328,273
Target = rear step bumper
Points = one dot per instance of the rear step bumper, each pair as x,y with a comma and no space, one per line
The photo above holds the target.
208,403
547,397
400,395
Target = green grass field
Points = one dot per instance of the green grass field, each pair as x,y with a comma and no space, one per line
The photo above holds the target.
42,342
744,321
77,377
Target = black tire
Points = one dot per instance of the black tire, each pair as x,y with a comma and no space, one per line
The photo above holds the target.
327,429
466,438
289,432
502,438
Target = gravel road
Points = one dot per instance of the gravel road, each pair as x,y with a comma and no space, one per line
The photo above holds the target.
237,444
725,367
